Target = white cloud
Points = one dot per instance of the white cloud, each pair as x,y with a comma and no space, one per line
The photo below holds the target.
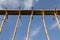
2,1
37,0
28,4
9,3
12,4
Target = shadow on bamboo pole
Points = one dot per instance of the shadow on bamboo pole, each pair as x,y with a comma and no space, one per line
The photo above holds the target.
46,31
28,32
56,17
19,16
3,20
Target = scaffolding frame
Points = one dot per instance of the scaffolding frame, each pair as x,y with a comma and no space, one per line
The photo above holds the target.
31,13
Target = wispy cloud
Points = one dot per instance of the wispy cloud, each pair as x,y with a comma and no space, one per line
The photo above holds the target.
33,33
54,25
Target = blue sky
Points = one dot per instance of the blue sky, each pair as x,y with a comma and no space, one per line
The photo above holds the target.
37,29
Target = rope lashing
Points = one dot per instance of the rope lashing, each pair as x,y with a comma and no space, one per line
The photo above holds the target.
13,37
46,31
28,32
3,20
56,18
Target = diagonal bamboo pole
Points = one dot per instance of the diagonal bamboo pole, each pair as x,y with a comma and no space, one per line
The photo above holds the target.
56,18
3,20
13,37
28,32
46,31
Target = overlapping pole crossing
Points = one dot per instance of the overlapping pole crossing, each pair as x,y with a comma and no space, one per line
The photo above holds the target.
28,32
56,17
14,35
46,31
3,20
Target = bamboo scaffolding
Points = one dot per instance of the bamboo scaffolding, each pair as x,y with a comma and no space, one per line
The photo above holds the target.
13,37
46,31
28,32
28,12
56,18
3,20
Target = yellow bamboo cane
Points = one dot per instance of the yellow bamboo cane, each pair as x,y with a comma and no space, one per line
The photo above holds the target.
28,32
3,20
56,17
46,31
13,37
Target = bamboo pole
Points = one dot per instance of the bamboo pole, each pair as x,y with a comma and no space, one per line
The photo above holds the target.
3,20
28,32
56,18
13,37
46,31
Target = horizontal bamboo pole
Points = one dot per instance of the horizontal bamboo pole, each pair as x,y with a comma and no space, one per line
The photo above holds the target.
28,12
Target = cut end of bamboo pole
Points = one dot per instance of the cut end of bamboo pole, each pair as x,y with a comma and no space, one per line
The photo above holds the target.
59,26
0,29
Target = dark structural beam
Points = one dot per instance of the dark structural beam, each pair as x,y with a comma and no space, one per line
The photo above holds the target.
28,12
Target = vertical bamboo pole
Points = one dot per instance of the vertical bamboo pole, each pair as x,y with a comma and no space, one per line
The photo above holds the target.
28,32
13,37
56,17
46,31
3,20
